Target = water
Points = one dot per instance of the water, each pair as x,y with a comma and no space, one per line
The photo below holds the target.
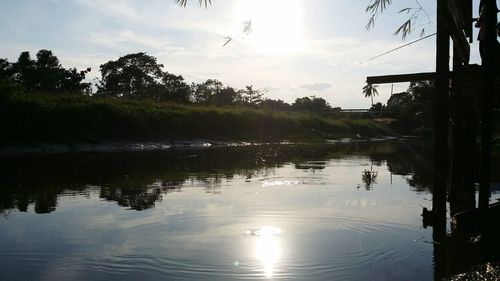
283,212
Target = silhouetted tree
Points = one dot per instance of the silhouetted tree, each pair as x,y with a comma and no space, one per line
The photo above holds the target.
378,107
370,90
134,76
312,104
423,93
46,74
174,89
204,93
249,96
224,97
399,101
6,69
415,108
140,76
7,85
278,105
24,70
47,71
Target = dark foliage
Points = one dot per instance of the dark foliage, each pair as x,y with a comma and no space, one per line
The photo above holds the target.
45,74
312,104
414,109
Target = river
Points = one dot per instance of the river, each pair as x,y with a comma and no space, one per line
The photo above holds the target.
255,212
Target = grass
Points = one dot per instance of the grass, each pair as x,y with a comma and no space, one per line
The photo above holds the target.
34,118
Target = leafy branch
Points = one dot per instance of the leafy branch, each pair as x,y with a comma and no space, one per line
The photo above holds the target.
377,7
183,3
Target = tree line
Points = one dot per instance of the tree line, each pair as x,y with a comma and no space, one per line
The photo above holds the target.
139,76
413,110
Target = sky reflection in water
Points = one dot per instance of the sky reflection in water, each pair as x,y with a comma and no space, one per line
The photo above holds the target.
219,216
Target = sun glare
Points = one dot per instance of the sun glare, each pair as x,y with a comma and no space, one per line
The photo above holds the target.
276,26
267,249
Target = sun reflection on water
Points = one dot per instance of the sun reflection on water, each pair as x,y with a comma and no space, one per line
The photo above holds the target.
267,248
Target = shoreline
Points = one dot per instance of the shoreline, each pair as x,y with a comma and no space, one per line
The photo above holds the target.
110,147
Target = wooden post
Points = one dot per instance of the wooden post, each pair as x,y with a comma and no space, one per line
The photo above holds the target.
442,114
441,103
461,196
487,106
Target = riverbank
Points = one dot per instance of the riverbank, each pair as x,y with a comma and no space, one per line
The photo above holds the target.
48,148
37,119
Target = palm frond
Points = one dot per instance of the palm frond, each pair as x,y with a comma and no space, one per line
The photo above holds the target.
422,32
404,29
228,39
378,6
370,90
371,22
405,10
183,3
247,27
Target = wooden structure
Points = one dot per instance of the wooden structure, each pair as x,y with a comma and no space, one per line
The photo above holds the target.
456,93
455,23
464,102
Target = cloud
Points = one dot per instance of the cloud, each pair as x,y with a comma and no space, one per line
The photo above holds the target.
320,86
126,37
110,8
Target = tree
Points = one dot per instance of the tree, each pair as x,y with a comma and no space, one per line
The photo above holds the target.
7,86
48,71
413,109
423,93
46,74
277,105
312,104
50,76
134,76
24,70
370,90
174,89
204,93
6,69
224,97
249,96
71,81
140,76
397,102
378,107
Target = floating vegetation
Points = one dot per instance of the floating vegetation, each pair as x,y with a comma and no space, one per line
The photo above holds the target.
483,272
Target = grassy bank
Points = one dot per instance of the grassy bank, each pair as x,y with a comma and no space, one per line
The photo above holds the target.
32,118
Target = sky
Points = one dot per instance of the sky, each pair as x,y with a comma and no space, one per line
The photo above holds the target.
296,48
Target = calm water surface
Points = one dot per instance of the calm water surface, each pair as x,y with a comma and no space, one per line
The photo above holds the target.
338,212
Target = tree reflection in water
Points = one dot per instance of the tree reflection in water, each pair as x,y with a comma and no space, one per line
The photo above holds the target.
369,177
138,180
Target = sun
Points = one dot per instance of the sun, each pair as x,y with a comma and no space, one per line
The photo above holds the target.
276,26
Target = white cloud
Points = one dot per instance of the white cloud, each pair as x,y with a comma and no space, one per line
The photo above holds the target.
319,86
128,37
121,9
